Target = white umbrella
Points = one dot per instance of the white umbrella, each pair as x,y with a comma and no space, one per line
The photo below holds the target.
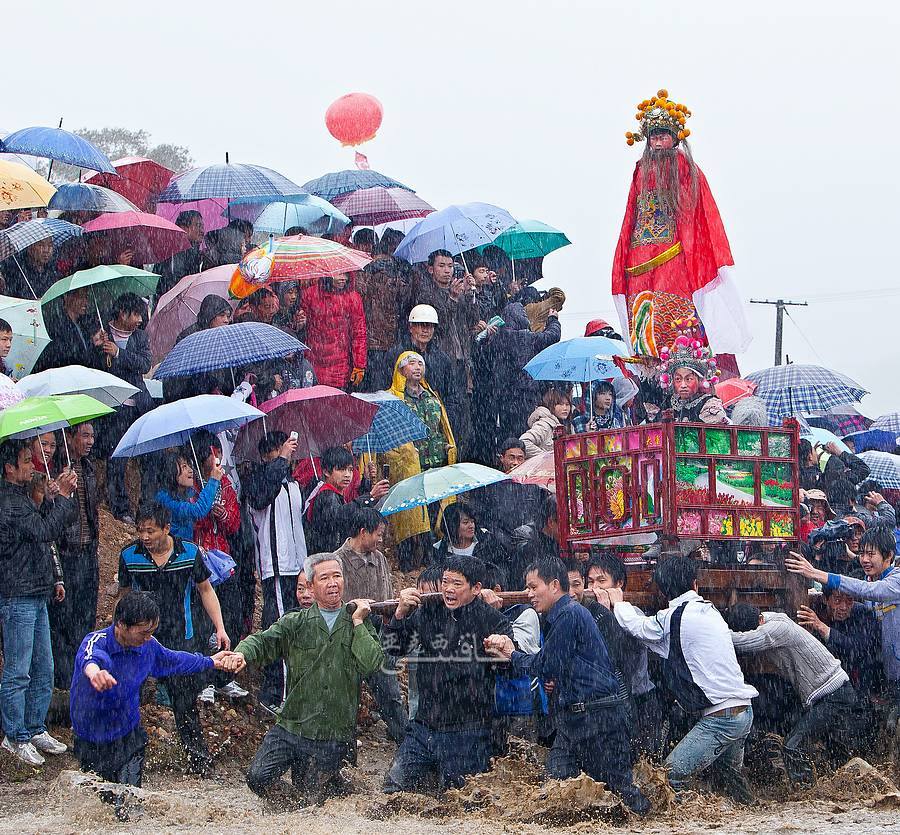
77,379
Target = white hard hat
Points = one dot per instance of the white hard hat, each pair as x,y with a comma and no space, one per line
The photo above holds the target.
423,314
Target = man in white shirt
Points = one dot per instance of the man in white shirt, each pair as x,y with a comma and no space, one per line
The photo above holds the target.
701,669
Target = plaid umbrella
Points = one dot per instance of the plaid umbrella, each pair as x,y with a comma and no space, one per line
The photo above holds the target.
371,206
329,186
227,180
297,258
322,416
227,347
395,424
794,389
884,468
85,197
22,235
889,422
840,425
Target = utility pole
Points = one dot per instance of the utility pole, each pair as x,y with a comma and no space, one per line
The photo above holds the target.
780,305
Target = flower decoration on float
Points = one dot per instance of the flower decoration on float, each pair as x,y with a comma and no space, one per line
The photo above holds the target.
689,351
659,113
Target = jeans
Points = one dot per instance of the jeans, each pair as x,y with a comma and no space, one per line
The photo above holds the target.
714,739
453,755
27,683
597,743
72,619
312,762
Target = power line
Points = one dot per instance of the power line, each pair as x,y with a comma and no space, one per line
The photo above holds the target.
805,339
780,307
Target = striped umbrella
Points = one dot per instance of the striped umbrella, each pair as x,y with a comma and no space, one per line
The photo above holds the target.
227,347
794,389
394,424
884,468
228,180
371,206
301,258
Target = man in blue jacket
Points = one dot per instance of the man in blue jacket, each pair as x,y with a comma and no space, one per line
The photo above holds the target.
110,668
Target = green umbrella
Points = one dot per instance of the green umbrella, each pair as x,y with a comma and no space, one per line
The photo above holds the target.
106,283
36,415
529,239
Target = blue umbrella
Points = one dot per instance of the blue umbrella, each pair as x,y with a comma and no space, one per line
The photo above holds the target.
227,180
227,347
394,424
57,144
789,390
878,440
332,185
456,229
821,436
22,235
315,215
580,360
172,424
86,197
437,484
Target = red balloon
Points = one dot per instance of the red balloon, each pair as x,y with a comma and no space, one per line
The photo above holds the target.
354,118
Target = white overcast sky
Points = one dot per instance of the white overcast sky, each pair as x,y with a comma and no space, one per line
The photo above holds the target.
525,104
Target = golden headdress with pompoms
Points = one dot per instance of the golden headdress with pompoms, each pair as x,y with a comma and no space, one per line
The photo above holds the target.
659,113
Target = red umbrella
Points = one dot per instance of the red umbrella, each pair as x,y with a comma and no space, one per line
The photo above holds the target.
371,206
151,238
733,390
137,178
322,417
539,469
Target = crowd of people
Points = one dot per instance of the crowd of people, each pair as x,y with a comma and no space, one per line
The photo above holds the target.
578,668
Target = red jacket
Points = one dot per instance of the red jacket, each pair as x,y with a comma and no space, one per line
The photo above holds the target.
210,532
335,333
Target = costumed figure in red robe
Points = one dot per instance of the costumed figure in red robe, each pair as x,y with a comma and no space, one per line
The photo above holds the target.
689,371
673,260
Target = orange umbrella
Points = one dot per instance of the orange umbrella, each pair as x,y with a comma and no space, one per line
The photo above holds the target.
733,390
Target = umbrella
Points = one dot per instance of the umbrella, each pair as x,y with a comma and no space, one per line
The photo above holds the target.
822,436
84,197
76,379
793,389
22,235
437,484
297,258
57,144
889,422
30,335
229,180
172,424
840,424
539,469
329,186
371,206
530,239
884,468
315,215
107,283
178,308
456,229
734,390
212,210
22,188
36,415
9,393
227,347
151,238
580,360
139,179
322,416
879,440
394,425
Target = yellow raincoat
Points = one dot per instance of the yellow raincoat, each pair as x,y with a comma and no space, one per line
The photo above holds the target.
404,462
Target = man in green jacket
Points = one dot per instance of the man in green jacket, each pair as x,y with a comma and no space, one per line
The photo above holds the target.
327,653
